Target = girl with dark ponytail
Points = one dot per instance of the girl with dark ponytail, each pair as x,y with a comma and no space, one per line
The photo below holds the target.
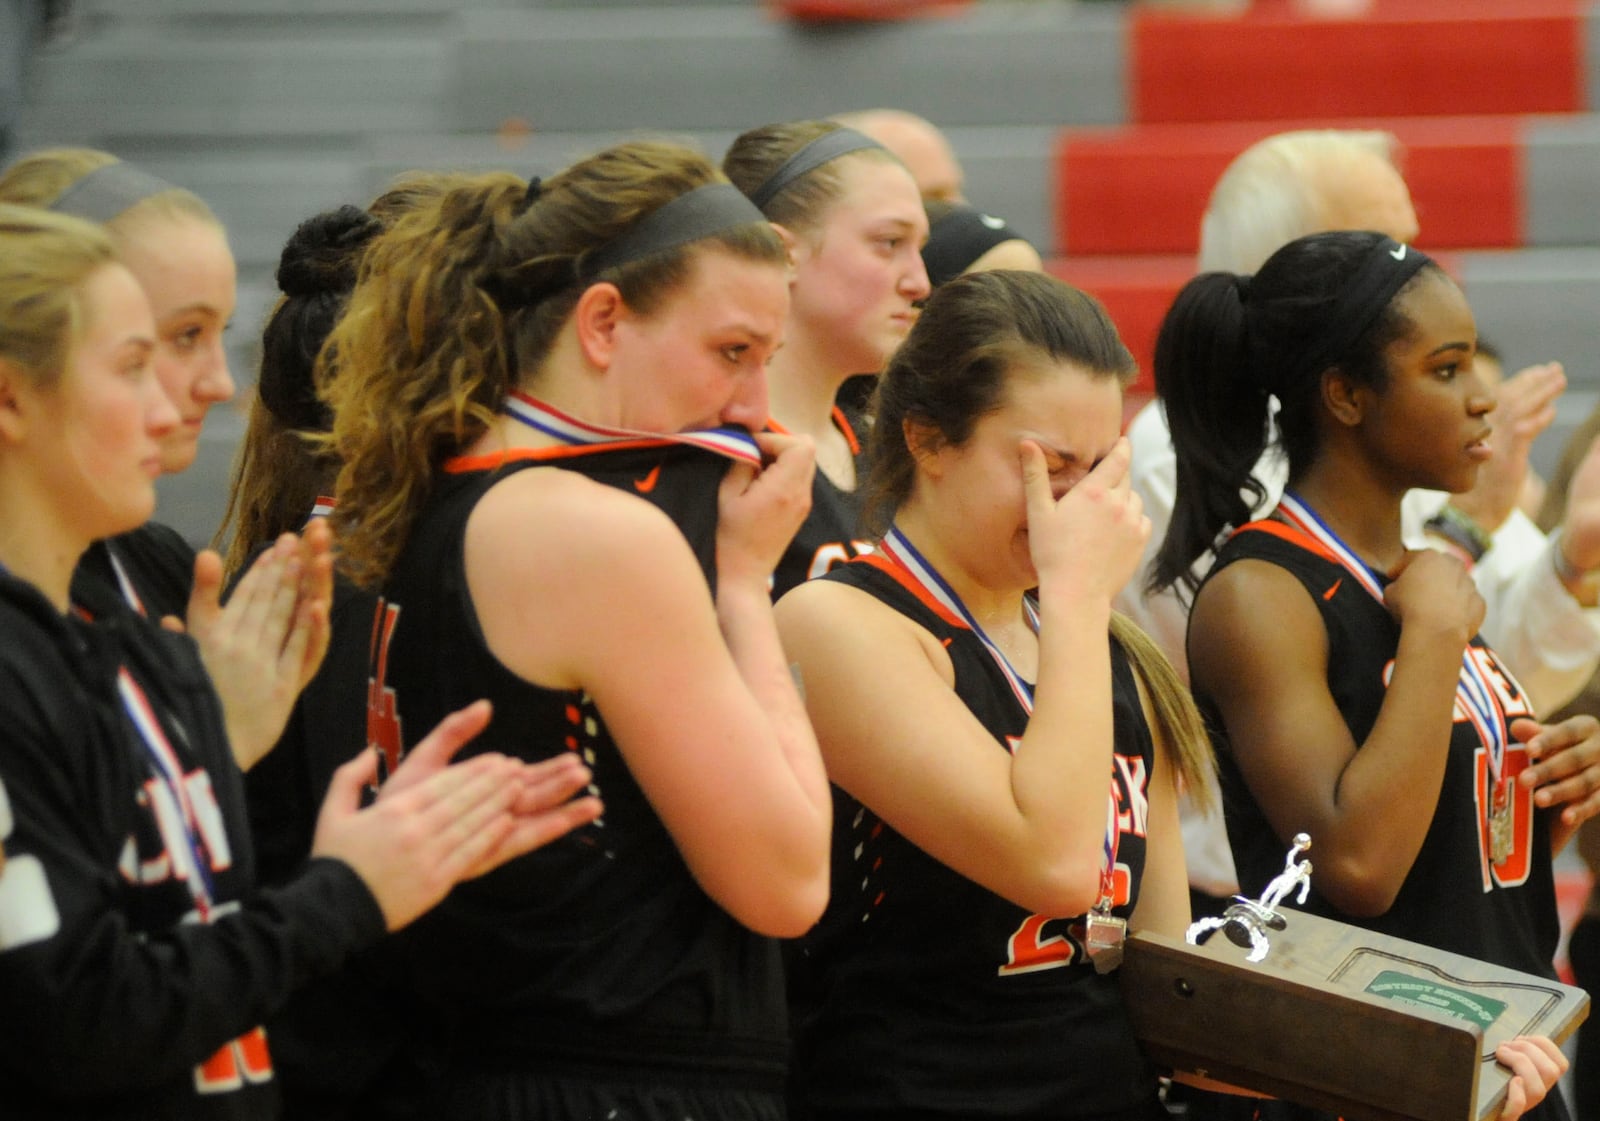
543,396
1348,692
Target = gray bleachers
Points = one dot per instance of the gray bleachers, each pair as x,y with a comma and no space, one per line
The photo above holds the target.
275,109
1021,63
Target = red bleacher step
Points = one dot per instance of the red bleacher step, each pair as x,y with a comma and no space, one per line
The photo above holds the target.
1281,60
1143,189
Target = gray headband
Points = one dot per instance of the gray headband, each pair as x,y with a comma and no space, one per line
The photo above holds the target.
107,191
689,217
828,146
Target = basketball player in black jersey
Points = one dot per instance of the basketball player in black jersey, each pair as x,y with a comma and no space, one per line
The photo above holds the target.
1352,699
853,223
504,377
137,957
1008,769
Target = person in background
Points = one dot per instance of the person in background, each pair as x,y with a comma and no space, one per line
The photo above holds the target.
918,144
853,225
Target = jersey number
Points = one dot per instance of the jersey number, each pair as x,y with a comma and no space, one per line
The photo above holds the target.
383,714
1028,950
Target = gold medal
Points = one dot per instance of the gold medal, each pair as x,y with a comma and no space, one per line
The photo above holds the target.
1103,936
1502,838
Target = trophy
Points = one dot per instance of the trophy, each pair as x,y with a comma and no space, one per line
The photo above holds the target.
1335,1016
1246,921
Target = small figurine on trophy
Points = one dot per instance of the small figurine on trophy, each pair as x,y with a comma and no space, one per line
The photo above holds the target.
1246,921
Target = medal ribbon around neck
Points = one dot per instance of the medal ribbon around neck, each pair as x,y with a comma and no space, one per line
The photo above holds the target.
168,770
730,442
124,582
1474,693
899,549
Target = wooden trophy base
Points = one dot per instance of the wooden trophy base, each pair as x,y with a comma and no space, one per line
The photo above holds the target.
1340,1018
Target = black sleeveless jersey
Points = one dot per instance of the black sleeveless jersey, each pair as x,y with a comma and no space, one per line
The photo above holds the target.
156,561
1454,897
598,953
831,533
938,997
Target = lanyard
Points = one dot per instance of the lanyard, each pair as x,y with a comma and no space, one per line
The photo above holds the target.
1475,696
174,810
731,442
321,508
124,582
900,550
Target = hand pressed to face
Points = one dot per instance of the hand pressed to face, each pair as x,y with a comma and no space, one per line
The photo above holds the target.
759,512
1027,526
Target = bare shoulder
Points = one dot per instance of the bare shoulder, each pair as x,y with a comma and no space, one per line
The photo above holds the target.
1253,621
560,523
827,619
569,564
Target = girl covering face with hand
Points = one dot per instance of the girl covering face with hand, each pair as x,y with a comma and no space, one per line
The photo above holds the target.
1008,766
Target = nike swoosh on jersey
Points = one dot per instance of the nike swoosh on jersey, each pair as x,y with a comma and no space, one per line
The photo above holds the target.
1329,594
648,483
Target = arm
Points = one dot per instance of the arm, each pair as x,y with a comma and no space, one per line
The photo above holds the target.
1024,824
1545,635
1260,652
111,1011
731,769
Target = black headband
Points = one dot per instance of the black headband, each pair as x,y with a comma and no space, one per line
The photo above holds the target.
107,191
828,146
689,217
1387,269
959,238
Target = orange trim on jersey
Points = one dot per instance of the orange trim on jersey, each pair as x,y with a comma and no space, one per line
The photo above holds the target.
886,564
1293,536
461,464
840,421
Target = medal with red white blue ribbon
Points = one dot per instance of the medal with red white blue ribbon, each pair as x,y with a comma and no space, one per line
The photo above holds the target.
1476,698
177,814
1104,932
734,443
